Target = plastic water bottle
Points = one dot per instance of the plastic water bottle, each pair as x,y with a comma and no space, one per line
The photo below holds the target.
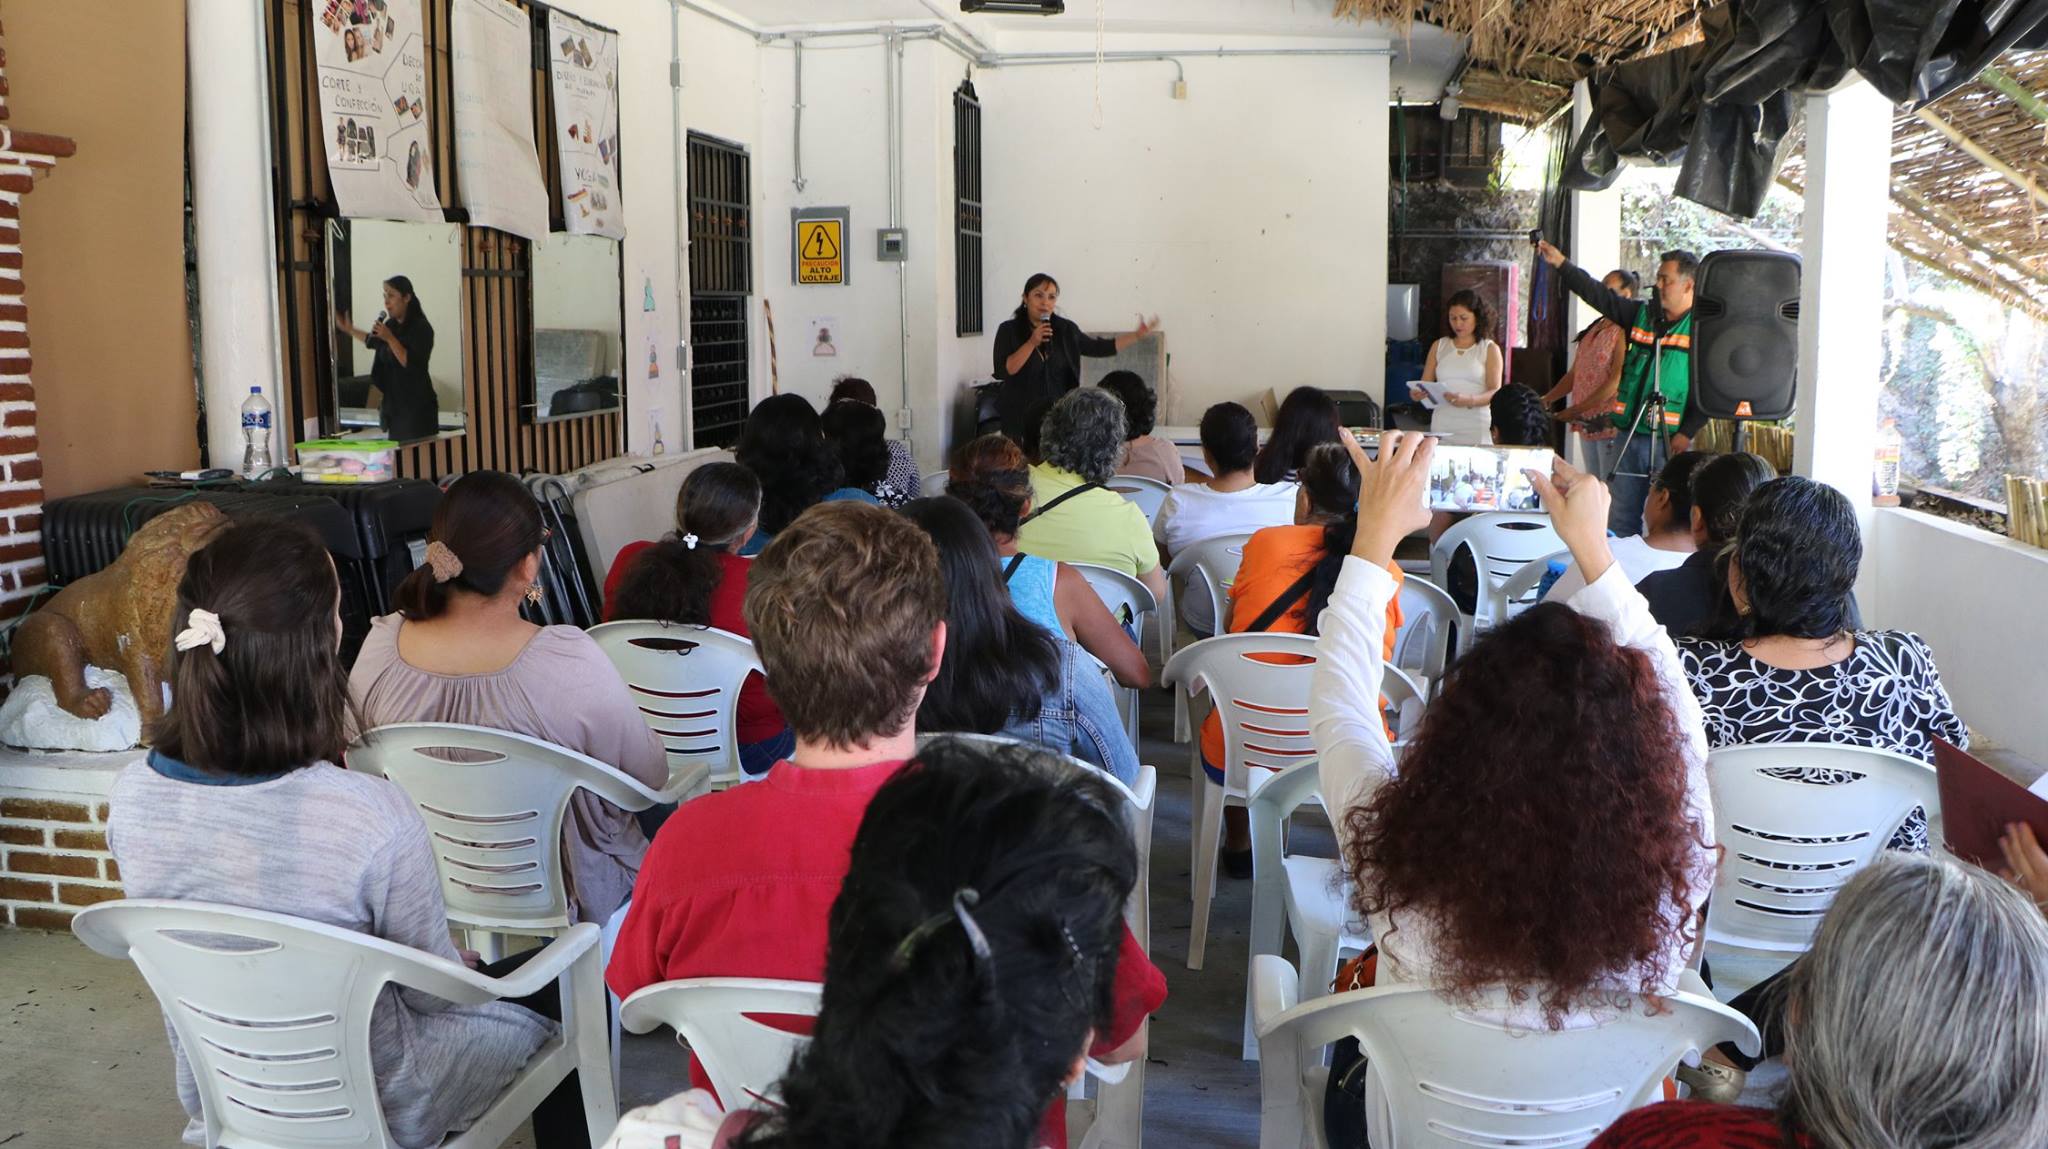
255,434
1884,481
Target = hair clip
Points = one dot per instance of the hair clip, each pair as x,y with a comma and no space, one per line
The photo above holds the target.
964,899
444,562
690,541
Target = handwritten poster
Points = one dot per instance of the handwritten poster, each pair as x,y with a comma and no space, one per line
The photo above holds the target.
373,108
495,158
584,68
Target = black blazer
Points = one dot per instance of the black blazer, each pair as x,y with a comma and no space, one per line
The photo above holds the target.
1052,371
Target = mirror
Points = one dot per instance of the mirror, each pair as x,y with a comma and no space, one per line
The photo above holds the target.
409,386
578,327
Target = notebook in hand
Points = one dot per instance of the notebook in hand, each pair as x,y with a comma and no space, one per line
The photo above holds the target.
1978,803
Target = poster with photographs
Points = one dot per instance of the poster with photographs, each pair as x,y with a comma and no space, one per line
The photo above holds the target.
496,163
584,65
373,107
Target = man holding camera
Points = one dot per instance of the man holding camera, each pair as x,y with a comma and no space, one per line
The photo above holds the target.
1659,361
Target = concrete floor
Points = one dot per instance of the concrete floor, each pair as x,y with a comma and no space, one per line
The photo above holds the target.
84,1063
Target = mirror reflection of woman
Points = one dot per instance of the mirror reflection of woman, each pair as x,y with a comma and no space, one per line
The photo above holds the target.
403,342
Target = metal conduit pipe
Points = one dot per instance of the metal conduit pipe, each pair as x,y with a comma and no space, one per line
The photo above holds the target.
797,144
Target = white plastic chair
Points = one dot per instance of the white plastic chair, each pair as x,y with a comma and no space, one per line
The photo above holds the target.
1422,647
273,1014
494,804
1147,492
1127,597
719,1019
1501,542
1215,560
686,681
1517,592
1447,1076
1263,707
1788,846
1302,893
934,484
1139,800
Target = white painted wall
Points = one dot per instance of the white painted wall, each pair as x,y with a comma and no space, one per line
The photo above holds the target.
1974,597
1251,217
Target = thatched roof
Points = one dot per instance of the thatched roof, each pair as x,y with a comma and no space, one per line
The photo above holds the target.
1969,174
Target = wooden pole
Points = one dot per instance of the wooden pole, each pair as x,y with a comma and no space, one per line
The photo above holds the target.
1975,151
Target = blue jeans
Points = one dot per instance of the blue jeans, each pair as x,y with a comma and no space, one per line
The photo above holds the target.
757,757
1640,461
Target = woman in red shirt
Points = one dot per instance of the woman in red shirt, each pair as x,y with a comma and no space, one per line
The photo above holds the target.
696,577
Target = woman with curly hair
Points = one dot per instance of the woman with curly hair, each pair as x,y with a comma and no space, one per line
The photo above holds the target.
784,445
1079,520
1567,734
993,478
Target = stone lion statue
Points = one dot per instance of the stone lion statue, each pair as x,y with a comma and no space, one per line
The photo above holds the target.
119,618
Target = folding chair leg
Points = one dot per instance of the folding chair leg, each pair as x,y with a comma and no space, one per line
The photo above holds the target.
1208,836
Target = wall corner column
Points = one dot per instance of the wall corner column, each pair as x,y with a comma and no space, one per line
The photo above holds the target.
234,221
1595,241
1841,295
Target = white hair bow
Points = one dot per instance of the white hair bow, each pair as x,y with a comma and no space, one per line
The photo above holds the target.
202,628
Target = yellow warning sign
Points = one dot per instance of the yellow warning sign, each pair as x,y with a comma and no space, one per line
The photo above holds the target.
820,251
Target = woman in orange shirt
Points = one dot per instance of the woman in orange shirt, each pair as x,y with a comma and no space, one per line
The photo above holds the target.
1282,585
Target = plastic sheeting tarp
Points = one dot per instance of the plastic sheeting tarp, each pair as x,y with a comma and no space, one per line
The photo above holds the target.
1721,109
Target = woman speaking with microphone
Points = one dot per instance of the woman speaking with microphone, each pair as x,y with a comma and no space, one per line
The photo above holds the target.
1038,358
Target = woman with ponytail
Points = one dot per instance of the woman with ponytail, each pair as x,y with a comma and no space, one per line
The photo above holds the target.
241,803
1282,585
459,651
695,577
972,964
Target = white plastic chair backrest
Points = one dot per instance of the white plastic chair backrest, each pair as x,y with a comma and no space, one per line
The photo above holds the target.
1123,594
1788,846
686,681
1518,590
1449,1076
934,484
272,1012
494,803
721,1020
1216,559
1500,541
1263,706
1401,702
1138,795
1147,492
1428,616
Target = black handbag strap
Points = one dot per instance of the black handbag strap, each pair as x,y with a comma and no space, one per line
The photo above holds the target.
1286,602
1047,509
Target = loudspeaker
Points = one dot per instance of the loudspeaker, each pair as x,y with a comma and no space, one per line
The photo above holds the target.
1745,334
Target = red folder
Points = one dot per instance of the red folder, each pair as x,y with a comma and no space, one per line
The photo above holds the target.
1978,803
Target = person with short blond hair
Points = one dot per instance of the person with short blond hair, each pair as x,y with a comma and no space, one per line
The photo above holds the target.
847,608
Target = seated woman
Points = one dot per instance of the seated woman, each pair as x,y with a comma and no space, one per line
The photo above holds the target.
992,477
1003,674
902,483
1470,862
860,435
1306,417
1077,519
242,802
1229,503
1792,667
1690,595
1919,1018
1282,586
458,651
1145,454
695,577
783,443
973,961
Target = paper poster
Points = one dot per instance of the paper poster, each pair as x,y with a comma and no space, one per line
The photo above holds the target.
496,162
824,341
373,108
584,68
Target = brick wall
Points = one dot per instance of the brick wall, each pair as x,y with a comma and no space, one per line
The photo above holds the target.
24,157
53,860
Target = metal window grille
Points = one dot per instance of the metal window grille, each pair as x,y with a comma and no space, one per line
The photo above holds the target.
721,279
967,266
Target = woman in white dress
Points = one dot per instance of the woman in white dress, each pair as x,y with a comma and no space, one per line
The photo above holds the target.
1469,365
